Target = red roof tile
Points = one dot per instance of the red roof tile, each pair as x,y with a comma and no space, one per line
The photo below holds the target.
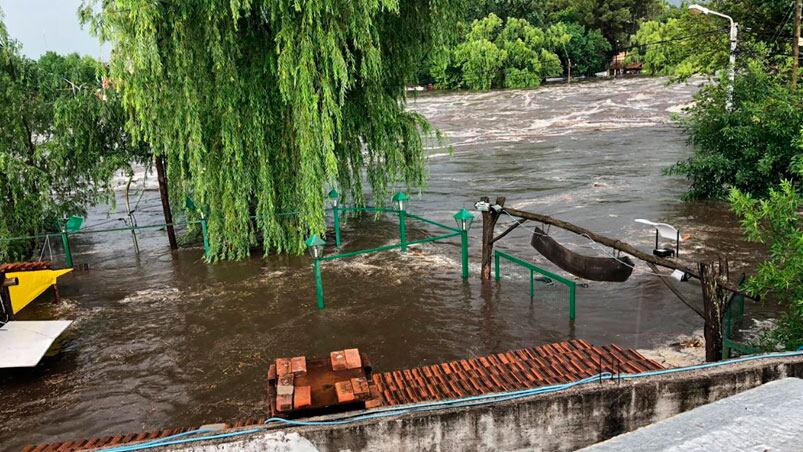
517,369
24,266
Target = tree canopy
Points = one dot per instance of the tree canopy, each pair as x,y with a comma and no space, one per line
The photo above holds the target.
259,105
62,138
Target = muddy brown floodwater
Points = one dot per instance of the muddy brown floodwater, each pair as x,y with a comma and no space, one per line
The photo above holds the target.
161,339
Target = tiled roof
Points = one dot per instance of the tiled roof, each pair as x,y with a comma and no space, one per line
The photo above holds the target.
518,369
109,441
24,266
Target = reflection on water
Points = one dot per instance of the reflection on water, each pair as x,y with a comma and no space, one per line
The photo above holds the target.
162,340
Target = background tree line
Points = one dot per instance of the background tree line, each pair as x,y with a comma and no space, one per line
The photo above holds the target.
519,43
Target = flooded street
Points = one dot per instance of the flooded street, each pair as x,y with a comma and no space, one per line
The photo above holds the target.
161,339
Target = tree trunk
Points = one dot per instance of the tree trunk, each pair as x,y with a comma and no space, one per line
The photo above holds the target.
489,220
163,193
713,307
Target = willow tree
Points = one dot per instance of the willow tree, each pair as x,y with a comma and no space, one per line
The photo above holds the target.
259,106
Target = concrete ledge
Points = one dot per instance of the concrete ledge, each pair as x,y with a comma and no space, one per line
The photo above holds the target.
566,420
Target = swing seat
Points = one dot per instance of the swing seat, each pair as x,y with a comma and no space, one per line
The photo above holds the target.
607,269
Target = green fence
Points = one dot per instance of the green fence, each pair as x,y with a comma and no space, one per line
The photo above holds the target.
734,313
498,255
316,245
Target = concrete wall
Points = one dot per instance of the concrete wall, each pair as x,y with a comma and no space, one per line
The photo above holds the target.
560,421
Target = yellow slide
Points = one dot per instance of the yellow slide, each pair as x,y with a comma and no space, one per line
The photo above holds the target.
31,285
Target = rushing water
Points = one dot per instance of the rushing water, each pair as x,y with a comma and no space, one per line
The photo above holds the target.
161,339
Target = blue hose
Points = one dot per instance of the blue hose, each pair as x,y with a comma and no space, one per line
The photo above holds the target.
465,402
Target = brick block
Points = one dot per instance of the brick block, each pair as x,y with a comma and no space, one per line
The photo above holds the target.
353,360
285,385
302,398
373,403
282,366
345,393
272,372
338,359
360,387
298,366
284,402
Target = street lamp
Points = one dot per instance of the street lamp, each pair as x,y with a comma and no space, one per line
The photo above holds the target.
315,247
333,199
401,198
734,31
464,218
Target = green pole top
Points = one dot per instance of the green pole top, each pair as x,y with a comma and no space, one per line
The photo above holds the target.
463,215
314,240
400,196
333,194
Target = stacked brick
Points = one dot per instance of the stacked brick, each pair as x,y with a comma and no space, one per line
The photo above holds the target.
288,395
354,388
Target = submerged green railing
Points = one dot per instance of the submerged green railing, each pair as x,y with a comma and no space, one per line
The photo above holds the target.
534,269
316,246
735,312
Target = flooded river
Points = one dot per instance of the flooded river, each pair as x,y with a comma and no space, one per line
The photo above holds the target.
161,339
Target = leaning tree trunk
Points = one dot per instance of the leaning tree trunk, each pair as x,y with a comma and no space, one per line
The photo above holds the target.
163,193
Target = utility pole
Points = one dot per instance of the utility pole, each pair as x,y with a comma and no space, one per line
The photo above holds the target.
796,46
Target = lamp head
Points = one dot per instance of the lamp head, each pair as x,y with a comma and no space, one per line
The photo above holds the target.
315,246
698,10
333,197
464,218
401,199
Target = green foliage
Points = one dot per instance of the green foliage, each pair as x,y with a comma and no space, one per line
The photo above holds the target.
615,19
777,222
492,55
61,140
259,105
587,49
751,148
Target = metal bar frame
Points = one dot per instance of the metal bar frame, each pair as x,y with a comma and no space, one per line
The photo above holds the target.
534,269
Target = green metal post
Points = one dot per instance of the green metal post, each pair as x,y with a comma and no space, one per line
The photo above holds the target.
464,252
205,233
66,242
403,230
318,284
336,219
572,295
532,284
496,266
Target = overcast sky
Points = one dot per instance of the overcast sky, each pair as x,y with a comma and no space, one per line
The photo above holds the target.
42,25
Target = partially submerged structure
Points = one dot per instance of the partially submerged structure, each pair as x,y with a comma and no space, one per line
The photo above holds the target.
24,343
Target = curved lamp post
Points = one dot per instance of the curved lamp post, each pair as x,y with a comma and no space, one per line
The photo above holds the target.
464,218
315,247
333,197
734,32
401,199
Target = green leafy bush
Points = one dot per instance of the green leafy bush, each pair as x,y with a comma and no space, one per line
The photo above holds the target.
777,222
750,148
494,55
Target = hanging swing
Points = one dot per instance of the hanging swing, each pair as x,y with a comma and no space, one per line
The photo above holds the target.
611,269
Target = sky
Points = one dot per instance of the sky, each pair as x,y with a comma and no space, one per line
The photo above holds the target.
42,25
